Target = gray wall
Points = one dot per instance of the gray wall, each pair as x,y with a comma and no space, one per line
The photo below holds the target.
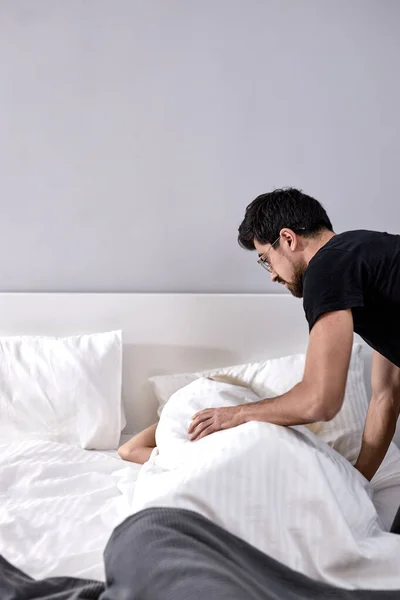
133,133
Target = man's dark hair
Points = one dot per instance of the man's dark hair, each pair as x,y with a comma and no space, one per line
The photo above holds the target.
271,212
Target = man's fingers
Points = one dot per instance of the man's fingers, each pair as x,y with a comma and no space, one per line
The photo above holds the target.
199,418
199,428
206,411
193,424
206,431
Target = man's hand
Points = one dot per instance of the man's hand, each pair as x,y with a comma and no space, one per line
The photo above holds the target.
211,420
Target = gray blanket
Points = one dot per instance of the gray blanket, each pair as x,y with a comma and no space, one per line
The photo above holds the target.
172,554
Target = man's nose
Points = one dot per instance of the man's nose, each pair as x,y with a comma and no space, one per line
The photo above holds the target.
274,276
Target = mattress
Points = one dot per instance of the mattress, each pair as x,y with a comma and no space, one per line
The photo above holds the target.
59,505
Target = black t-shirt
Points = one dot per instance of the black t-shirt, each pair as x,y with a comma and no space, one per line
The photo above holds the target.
359,270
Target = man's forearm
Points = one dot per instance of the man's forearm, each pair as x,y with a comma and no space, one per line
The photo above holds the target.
379,430
300,406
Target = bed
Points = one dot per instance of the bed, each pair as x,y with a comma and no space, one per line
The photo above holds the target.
60,503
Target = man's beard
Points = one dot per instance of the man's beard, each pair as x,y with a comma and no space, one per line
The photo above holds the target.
295,287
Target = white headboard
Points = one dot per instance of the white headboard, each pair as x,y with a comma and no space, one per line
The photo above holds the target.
165,333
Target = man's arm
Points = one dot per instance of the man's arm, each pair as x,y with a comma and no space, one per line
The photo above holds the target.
318,397
382,415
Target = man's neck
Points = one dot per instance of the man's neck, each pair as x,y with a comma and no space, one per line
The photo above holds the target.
315,244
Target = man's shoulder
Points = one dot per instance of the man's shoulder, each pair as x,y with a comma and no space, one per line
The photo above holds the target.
346,246
337,257
332,251
351,240
355,247
334,276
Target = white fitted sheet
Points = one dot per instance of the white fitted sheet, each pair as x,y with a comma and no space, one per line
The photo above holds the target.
59,505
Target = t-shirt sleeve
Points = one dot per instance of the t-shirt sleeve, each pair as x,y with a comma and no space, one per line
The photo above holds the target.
333,281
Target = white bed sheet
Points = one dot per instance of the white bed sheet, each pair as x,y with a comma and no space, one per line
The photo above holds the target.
59,505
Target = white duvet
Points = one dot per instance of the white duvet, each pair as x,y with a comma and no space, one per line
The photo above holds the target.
282,490
59,505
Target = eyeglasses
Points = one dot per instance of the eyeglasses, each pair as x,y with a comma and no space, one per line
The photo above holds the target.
263,260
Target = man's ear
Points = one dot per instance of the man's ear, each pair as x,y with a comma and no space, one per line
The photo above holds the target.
289,236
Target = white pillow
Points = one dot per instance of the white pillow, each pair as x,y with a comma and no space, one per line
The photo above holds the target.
62,389
344,433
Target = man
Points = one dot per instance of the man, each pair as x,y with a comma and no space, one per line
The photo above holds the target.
348,282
